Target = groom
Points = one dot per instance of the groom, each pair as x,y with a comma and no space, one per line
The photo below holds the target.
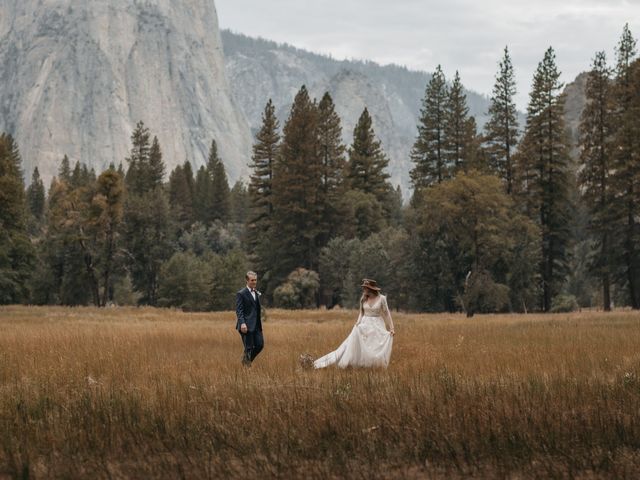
249,324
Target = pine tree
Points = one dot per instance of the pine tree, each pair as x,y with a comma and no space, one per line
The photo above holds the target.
65,170
12,195
156,166
428,152
626,179
545,157
77,178
36,195
366,169
265,152
148,239
239,203
181,193
332,157
138,172
472,152
16,252
367,201
202,196
296,185
260,221
146,213
107,210
81,176
596,128
89,175
219,206
188,197
73,227
459,132
501,131
71,283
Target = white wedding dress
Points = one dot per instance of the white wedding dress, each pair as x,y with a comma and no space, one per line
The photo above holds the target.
369,343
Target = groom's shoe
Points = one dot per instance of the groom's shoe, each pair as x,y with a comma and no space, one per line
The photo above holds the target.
245,361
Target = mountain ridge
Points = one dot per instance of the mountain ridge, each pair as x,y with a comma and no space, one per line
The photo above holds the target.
78,78
260,69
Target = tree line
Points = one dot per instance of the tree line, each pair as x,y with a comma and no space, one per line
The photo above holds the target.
499,220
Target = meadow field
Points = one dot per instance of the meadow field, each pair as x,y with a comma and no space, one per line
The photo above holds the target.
149,393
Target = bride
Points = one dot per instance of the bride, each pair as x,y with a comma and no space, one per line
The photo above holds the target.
369,343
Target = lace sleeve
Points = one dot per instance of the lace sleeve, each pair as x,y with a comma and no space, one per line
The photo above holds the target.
386,314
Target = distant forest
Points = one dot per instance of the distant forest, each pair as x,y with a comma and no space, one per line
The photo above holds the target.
500,220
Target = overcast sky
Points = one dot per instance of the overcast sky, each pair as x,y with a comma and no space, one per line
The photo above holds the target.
463,35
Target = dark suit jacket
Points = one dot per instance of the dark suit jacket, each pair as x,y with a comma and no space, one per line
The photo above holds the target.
248,310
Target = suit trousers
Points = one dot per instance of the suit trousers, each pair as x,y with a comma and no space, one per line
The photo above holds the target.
253,344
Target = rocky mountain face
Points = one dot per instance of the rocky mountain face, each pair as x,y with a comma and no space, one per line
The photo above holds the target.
77,75
575,101
259,69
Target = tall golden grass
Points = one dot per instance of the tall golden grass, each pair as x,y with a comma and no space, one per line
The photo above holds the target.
146,393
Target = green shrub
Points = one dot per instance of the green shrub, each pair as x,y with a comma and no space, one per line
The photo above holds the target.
564,303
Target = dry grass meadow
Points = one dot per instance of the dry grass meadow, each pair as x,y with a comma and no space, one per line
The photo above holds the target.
145,393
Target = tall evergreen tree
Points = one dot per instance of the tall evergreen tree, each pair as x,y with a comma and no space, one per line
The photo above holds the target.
202,196
155,177
366,169
239,203
12,195
16,252
181,194
75,230
459,129
78,177
260,221
64,172
428,152
332,157
106,214
501,131
36,195
265,152
71,283
368,203
474,156
545,158
81,176
596,130
296,184
146,214
189,178
138,172
219,207
626,179
148,239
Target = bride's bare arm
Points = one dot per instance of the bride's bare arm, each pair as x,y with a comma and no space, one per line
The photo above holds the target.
387,315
